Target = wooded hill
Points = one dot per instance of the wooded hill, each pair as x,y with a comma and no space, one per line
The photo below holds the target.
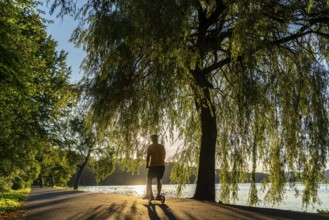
120,177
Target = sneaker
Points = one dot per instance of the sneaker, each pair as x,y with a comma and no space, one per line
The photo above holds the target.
158,197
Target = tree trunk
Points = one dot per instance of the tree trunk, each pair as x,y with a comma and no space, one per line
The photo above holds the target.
77,178
81,168
205,188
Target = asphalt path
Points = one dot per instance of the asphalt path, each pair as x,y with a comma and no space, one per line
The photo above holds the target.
61,204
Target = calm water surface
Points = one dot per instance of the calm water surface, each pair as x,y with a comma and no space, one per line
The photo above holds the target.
290,202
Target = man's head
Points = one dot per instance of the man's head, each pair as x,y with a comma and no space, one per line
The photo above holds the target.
154,138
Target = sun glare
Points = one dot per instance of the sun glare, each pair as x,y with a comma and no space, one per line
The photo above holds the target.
141,139
138,190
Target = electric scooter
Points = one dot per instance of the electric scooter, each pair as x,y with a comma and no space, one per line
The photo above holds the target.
162,198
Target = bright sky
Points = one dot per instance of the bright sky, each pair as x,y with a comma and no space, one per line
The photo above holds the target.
61,31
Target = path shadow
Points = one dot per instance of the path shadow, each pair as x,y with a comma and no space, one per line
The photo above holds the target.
151,208
39,195
56,204
114,211
48,202
51,199
274,212
101,212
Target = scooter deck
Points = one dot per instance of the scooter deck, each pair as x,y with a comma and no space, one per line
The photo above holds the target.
162,199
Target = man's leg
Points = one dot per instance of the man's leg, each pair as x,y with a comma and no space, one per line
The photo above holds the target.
148,187
159,186
149,184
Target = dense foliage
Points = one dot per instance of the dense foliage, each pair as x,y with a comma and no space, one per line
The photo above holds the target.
10,199
242,82
33,90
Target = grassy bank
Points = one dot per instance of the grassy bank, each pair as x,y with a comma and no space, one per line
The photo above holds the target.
10,200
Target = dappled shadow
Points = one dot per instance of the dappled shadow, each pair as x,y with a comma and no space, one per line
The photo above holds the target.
54,209
123,211
48,202
102,212
151,208
53,198
133,208
189,215
50,193
273,212
51,204
152,212
74,205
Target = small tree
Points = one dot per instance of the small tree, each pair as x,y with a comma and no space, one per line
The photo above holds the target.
55,167
81,142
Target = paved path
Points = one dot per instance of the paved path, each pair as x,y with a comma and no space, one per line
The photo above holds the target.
58,204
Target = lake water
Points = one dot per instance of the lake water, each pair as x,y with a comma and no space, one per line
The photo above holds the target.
290,202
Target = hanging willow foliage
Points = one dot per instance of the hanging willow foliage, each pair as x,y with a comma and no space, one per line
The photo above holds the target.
253,69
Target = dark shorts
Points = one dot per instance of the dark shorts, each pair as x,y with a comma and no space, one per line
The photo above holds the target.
156,172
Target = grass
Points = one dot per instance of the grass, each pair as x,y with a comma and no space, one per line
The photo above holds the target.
10,200
323,211
62,187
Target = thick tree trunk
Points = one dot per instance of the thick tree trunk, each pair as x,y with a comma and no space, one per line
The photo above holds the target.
205,188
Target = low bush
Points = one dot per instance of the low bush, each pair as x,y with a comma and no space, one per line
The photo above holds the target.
11,199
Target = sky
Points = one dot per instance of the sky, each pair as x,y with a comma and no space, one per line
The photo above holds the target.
61,31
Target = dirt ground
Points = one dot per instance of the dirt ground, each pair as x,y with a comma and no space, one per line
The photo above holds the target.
60,204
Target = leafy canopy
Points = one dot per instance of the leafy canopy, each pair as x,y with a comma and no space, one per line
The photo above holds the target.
150,64
33,81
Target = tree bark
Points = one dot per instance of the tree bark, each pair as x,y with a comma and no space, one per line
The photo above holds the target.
205,188
77,179
81,168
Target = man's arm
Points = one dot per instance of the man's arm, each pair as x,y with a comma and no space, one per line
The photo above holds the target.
164,153
148,156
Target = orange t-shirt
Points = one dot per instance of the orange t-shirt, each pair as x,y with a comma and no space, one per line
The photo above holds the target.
157,153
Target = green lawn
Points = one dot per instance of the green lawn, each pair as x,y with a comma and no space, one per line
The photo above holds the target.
11,199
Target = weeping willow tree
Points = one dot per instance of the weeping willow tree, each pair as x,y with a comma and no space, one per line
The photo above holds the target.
244,83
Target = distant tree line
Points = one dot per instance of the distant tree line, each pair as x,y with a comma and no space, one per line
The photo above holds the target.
120,177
